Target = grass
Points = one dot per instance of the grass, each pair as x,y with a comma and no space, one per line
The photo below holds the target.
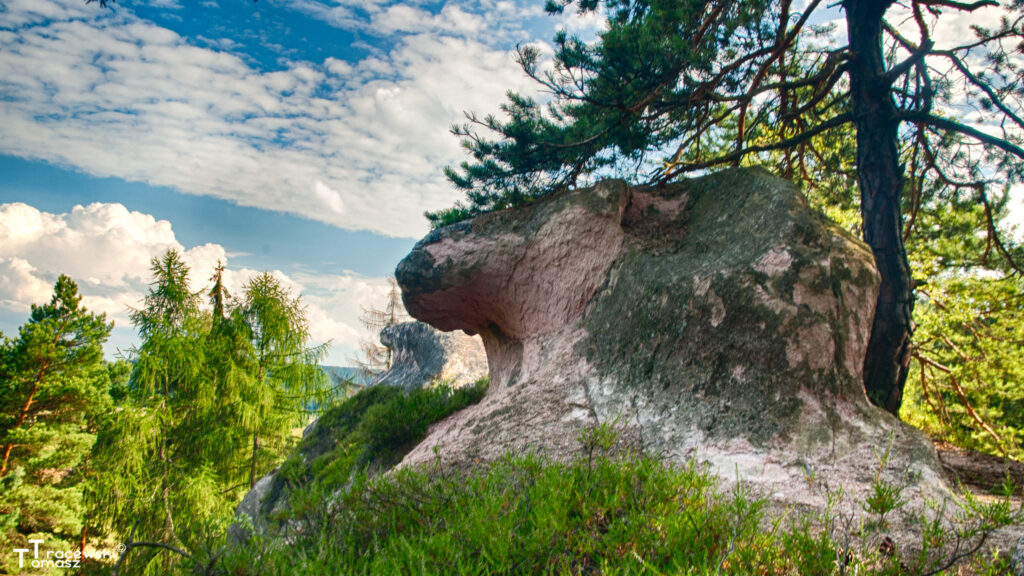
610,511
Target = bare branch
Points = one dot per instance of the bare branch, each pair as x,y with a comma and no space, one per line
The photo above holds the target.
963,398
993,234
132,544
986,88
915,58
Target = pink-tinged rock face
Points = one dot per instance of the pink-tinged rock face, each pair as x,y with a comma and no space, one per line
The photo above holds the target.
483,278
717,318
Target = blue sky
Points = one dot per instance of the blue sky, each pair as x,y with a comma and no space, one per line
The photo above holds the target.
303,137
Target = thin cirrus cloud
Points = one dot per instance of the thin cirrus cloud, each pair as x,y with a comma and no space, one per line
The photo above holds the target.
107,249
359,145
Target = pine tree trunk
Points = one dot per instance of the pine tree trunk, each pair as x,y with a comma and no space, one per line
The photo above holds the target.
21,417
85,520
880,176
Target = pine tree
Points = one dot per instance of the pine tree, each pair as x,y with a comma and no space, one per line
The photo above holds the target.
676,87
53,386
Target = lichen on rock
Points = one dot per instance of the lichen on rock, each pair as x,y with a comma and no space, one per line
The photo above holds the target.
718,318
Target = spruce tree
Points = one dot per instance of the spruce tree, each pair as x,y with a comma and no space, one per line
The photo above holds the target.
154,477
209,407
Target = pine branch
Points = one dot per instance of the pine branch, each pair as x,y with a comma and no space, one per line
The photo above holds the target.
946,124
673,168
964,6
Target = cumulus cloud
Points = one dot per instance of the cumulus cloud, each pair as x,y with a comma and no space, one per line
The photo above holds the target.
107,249
20,283
99,244
359,145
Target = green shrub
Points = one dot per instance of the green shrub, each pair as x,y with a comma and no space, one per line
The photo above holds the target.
370,430
392,428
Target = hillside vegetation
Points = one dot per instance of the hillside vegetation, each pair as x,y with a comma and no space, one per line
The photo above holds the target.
610,510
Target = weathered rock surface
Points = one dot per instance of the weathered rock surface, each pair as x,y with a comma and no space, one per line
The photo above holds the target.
421,354
718,319
251,506
1017,560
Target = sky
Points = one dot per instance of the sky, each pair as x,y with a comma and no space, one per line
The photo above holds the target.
301,137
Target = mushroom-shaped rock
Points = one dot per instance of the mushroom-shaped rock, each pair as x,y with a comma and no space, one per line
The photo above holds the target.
718,318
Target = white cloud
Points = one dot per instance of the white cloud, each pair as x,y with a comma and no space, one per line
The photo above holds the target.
586,25
328,197
404,18
102,244
338,67
357,144
114,95
107,250
335,302
20,283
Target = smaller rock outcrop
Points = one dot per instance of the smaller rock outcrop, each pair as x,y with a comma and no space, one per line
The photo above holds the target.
421,354
250,506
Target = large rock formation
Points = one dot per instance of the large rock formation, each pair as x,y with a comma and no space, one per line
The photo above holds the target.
421,355
718,318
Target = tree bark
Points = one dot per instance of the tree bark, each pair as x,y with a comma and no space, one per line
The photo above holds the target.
21,417
85,520
880,176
